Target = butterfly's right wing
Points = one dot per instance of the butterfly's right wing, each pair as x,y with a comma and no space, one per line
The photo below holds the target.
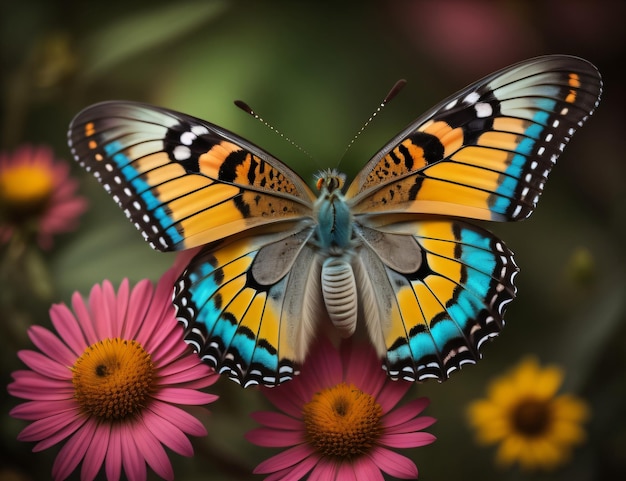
251,304
182,181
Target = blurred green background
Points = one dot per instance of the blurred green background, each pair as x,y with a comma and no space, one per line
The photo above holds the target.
316,70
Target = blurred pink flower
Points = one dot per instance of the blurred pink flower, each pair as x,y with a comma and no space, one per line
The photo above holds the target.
470,37
338,420
37,195
110,381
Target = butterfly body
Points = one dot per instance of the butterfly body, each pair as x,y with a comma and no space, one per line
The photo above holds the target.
394,253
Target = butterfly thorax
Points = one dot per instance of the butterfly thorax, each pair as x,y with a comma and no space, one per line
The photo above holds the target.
334,219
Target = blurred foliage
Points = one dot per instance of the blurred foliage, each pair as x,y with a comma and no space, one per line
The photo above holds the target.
316,70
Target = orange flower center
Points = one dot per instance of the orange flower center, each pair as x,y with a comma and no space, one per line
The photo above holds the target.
113,379
342,421
532,417
25,189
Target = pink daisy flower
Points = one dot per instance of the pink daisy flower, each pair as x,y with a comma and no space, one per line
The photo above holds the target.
37,195
109,383
338,420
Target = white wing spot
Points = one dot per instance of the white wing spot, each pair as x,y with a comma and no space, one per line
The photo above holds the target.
181,152
199,130
483,110
471,98
187,138
452,104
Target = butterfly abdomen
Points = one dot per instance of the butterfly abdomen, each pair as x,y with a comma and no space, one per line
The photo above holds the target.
340,294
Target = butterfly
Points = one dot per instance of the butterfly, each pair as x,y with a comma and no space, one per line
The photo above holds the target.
393,254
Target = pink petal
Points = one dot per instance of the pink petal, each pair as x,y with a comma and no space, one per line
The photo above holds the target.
68,329
346,471
110,305
132,460
393,463
83,316
51,345
182,419
167,433
366,470
45,366
161,312
323,367
138,325
113,461
169,346
152,451
35,387
186,369
73,451
286,459
33,410
289,397
184,396
407,440
97,452
325,470
276,420
363,368
392,393
407,412
120,322
51,430
297,472
271,438
413,425
100,312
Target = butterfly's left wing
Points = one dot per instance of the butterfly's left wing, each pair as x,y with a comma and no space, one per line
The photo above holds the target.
431,306
182,181
485,152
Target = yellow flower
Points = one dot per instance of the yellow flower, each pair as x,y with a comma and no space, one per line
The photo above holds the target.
522,412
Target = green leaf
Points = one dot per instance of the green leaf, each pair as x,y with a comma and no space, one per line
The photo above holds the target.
145,31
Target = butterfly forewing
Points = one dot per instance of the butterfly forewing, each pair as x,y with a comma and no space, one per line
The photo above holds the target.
182,181
485,152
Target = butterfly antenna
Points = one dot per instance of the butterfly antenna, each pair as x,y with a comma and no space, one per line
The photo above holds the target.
246,108
392,93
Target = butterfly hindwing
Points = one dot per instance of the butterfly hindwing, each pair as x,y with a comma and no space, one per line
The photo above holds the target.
445,306
485,152
184,182
238,302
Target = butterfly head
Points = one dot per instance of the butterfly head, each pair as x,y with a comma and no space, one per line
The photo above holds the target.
330,180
